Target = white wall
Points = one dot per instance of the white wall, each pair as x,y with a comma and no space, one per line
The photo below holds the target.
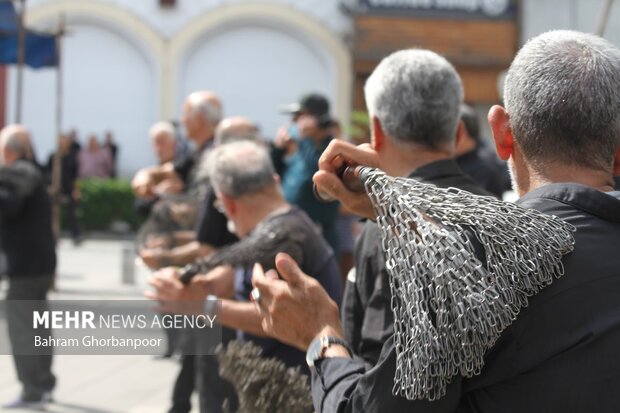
118,66
108,84
169,21
543,15
256,68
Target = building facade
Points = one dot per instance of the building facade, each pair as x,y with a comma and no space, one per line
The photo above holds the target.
129,63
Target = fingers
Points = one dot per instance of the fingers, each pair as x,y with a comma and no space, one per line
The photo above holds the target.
288,269
339,152
357,202
258,275
151,295
165,284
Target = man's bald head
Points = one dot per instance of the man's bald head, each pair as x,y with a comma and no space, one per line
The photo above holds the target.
234,129
202,112
14,143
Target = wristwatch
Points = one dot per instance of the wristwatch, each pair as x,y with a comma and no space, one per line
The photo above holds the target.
210,305
316,350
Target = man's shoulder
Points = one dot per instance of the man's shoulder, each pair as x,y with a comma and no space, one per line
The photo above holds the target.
459,180
294,224
446,173
21,173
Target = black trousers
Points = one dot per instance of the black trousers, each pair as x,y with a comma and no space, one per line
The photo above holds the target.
71,206
201,372
33,371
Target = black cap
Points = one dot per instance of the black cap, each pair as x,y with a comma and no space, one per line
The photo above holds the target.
313,104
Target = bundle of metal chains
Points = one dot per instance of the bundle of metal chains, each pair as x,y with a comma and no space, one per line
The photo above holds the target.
450,308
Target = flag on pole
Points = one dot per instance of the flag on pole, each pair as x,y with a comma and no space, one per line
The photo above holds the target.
40,48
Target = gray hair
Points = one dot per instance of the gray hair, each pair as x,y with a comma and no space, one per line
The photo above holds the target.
228,132
562,93
240,168
416,95
202,105
162,127
11,136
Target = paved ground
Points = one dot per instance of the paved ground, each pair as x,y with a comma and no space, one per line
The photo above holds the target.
100,384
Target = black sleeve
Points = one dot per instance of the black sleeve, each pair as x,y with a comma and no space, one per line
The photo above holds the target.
10,200
277,157
261,245
344,385
183,167
367,314
17,183
351,313
211,226
143,207
378,321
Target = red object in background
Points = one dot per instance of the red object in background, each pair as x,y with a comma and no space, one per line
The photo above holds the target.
2,96
167,3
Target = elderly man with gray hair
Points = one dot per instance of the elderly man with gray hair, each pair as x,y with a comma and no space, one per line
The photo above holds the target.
28,241
210,230
558,349
249,193
166,146
414,99
202,111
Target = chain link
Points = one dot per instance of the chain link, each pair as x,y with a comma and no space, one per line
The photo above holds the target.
450,308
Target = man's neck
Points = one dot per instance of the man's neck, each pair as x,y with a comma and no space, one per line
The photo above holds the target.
202,138
260,206
600,180
399,161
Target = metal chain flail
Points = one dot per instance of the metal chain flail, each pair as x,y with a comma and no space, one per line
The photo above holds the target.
450,308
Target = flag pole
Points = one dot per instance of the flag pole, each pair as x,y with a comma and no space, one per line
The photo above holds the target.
21,56
603,17
57,162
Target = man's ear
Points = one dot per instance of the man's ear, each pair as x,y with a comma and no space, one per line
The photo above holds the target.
616,167
377,138
460,135
499,120
229,204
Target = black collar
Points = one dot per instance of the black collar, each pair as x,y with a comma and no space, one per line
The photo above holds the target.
578,196
437,169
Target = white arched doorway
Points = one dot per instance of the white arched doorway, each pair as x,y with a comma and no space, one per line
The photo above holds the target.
108,83
258,58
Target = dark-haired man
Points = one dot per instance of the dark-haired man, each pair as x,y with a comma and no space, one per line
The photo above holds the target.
297,151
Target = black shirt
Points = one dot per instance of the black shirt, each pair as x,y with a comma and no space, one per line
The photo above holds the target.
559,355
485,168
187,166
25,221
287,230
211,228
314,257
68,172
366,313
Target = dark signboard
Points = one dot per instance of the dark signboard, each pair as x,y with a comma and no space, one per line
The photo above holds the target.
459,9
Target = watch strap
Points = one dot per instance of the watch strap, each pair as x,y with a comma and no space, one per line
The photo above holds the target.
316,350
